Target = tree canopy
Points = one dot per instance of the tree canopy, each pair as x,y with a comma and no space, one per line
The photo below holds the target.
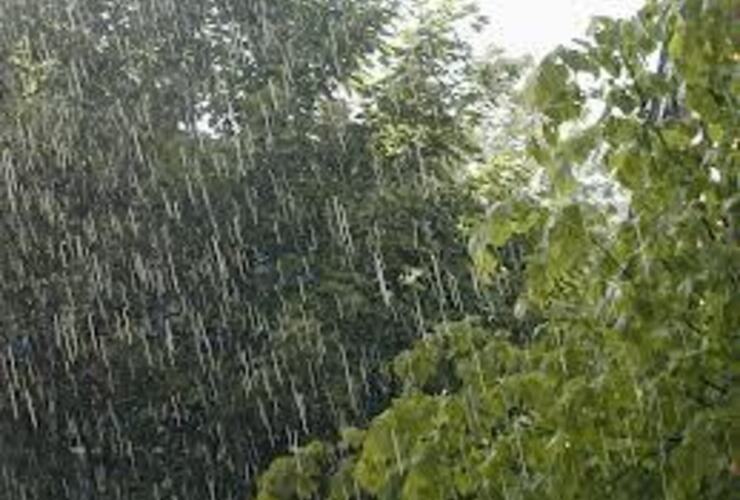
310,249
628,388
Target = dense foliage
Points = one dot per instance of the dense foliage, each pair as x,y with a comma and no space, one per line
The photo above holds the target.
629,386
311,249
220,220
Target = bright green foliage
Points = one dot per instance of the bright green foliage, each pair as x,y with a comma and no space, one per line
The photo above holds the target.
631,387
295,476
506,220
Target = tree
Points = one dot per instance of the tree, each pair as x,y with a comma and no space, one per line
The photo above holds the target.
629,388
182,302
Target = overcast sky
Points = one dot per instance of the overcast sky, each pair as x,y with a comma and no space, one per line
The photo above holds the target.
538,26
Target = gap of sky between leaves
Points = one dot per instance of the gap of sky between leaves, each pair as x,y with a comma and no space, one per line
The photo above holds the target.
536,27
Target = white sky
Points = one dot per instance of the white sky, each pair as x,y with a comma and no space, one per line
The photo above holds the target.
538,26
